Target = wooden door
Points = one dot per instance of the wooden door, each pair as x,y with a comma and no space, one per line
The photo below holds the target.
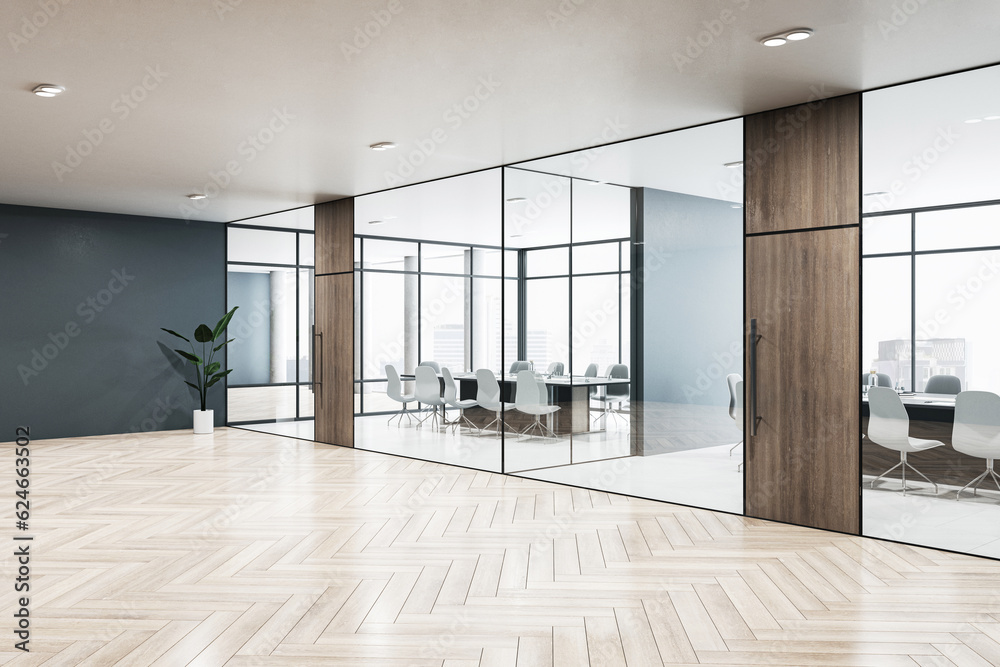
802,297
333,359
803,277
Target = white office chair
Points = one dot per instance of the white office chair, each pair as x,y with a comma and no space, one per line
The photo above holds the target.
943,384
488,396
532,399
614,393
591,371
518,366
431,364
738,414
977,432
428,392
889,427
556,368
732,380
451,398
394,390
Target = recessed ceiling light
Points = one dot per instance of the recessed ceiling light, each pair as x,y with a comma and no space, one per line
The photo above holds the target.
782,38
973,121
195,196
48,90
734,165
736,206
992,118
515,200
376,222
876,194
382,146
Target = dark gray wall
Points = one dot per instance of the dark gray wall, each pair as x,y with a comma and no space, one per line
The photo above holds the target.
250,353
84,296
693,297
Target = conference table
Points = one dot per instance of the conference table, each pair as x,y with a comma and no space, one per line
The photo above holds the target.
923,407
570,393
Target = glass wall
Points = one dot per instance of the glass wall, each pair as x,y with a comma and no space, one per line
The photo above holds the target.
931,246
431,277
637,286
270,279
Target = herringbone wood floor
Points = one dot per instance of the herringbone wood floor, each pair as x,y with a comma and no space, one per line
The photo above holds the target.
250,549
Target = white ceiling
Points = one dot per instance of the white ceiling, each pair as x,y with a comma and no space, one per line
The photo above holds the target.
565,75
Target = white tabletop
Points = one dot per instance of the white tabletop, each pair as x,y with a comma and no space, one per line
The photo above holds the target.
928,400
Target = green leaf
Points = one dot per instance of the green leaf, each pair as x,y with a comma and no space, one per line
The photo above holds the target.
190,357
203,334
223,344
193,386
216,378
174,333
212,367
223,323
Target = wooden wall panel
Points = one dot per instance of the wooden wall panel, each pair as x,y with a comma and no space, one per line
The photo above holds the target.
333,380
802,166
333,363
802,467
335,236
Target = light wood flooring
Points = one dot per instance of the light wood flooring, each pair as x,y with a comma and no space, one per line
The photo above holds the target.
245,548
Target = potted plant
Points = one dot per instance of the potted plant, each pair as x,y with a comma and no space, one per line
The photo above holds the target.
207,370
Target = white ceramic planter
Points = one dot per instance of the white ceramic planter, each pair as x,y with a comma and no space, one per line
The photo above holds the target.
204,421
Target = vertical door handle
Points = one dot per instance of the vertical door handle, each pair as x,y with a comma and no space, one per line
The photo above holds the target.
317,378
754,417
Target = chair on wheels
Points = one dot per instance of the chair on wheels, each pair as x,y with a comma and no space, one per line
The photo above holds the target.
977,432
556,368
451,398
395,391
488,396
532,399
943,384
518,366
428,392
732,380
617,393
431,364
889,427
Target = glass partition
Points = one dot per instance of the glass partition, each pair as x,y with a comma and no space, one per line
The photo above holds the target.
645,289
270,279
430,290
930,300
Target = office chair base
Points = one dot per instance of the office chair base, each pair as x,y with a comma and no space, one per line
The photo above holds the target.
409,418
433,416
455,424
615,414
542,428
979,480
903,463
